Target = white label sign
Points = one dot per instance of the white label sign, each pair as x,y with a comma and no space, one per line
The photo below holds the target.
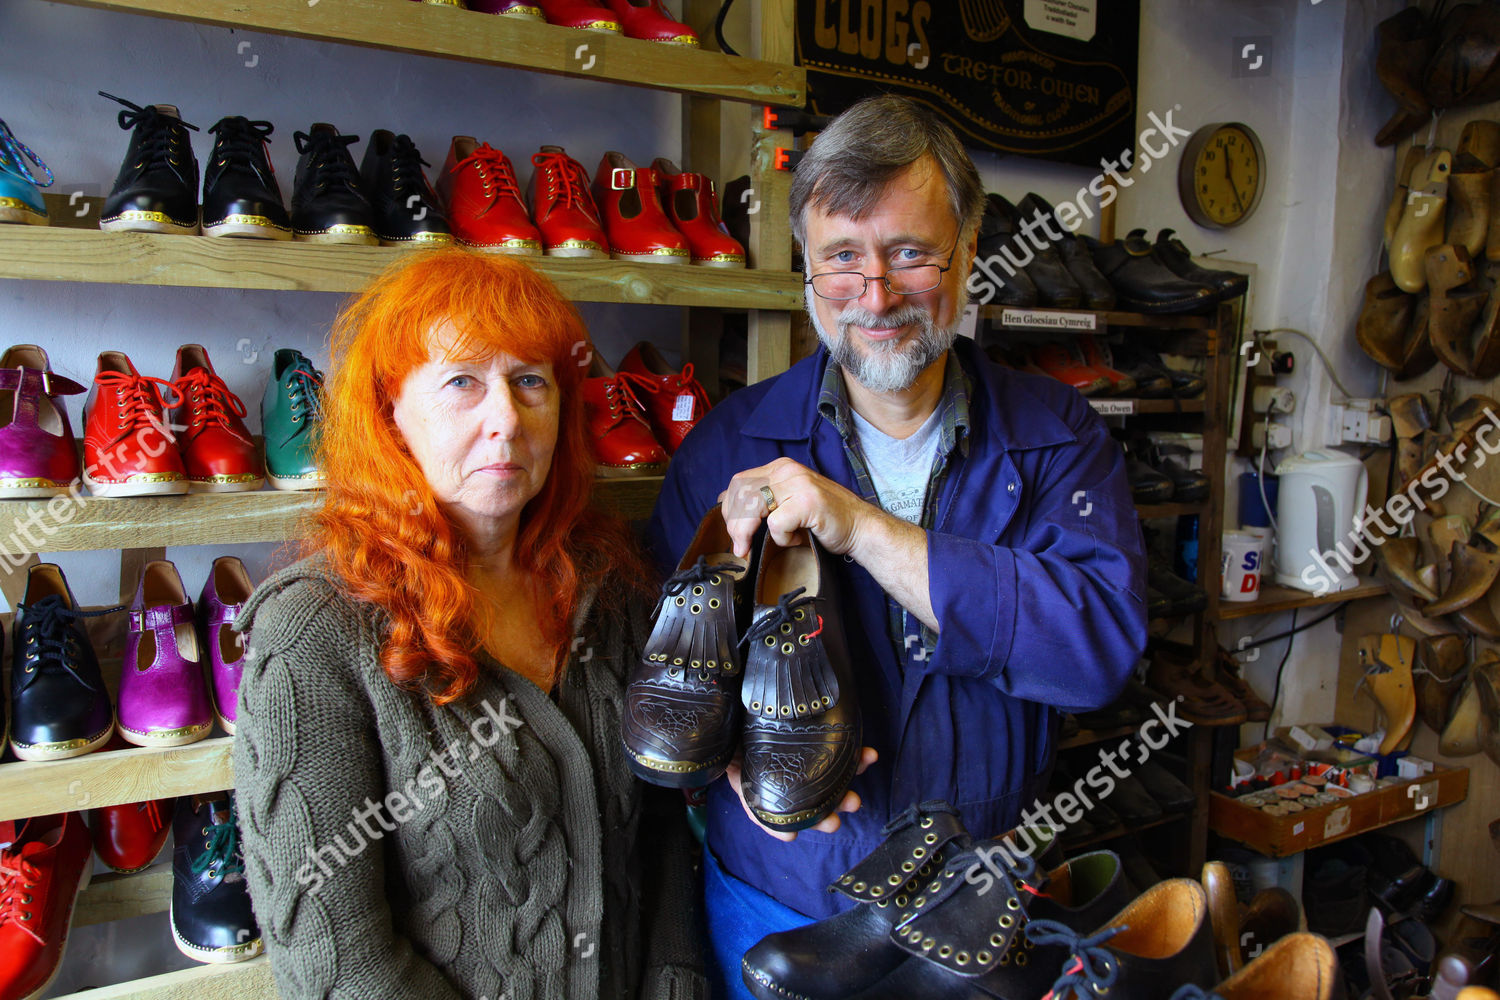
1046,319
1113,407
1072,18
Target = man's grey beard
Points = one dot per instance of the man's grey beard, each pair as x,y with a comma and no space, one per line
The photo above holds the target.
885,366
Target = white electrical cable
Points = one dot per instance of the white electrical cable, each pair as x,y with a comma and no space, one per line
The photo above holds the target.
1332,375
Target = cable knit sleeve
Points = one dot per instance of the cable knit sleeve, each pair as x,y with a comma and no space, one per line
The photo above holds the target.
307,767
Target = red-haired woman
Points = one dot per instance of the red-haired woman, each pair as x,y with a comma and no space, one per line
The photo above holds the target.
432,793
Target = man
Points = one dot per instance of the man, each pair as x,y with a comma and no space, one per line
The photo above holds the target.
993,563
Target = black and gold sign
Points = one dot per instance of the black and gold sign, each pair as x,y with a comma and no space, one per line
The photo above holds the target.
988,66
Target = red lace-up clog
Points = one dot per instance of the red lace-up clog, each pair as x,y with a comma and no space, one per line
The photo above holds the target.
674,400
650,21
217,451
623,445
485,210
563,208
128,449
585,14
41,874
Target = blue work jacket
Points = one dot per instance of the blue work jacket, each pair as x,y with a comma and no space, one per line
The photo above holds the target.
1036,569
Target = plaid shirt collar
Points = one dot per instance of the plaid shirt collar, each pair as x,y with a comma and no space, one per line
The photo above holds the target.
833,404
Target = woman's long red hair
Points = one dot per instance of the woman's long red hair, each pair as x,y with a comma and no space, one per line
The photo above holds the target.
382,529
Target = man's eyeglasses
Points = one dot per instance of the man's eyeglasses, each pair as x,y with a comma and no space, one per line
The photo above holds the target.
909,279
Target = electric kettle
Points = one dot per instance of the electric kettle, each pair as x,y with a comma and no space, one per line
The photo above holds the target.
1319,521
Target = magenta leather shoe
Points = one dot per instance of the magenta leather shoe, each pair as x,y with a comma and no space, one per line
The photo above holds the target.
227,588
38,455
163,701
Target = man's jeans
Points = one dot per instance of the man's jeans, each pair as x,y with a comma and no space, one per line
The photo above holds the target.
739,915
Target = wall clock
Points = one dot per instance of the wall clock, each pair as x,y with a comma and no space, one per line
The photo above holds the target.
1222,174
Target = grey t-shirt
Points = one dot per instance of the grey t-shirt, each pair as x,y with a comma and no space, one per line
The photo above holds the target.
900,467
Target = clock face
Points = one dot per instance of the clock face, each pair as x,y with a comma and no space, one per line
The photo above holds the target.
1225,179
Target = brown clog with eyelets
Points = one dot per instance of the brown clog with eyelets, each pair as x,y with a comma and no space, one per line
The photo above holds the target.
680,721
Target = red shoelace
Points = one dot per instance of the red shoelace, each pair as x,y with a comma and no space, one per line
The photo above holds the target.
141,403
494,171
16,876
211,399
564,171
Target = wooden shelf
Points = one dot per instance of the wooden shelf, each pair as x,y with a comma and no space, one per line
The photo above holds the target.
1273,599
1147,510
1283,836
1131,407
1077,320
1076,846
455,33
1088,737
215,518
113,777
55,253
200,982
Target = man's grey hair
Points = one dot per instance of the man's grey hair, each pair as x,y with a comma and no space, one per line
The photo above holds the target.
849,165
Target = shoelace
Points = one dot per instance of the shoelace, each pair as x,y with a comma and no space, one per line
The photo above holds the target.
772,620
221,855
406,165
211,399
679,384
306,391
623,403
16,876
162,135
1191,992
1092,966
330,153
239,141
564,169
699,572
14,151
141,402
494,171
47,636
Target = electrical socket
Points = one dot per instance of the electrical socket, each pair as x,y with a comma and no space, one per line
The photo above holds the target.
1358,421
1273,399
1280,436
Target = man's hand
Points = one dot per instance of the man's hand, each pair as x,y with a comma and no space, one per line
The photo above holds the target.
804,499
830,823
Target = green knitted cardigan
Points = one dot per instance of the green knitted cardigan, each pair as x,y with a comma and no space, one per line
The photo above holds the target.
494,847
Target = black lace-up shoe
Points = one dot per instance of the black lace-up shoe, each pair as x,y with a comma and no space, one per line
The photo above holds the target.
328,205
973,935
212,920
59,704
407,210
802,728
681,720
1142,282
844,954
156,190
240,193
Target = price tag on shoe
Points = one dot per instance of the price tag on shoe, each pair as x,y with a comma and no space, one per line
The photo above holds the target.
682,409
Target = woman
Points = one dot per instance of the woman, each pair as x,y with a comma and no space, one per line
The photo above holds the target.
432,791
